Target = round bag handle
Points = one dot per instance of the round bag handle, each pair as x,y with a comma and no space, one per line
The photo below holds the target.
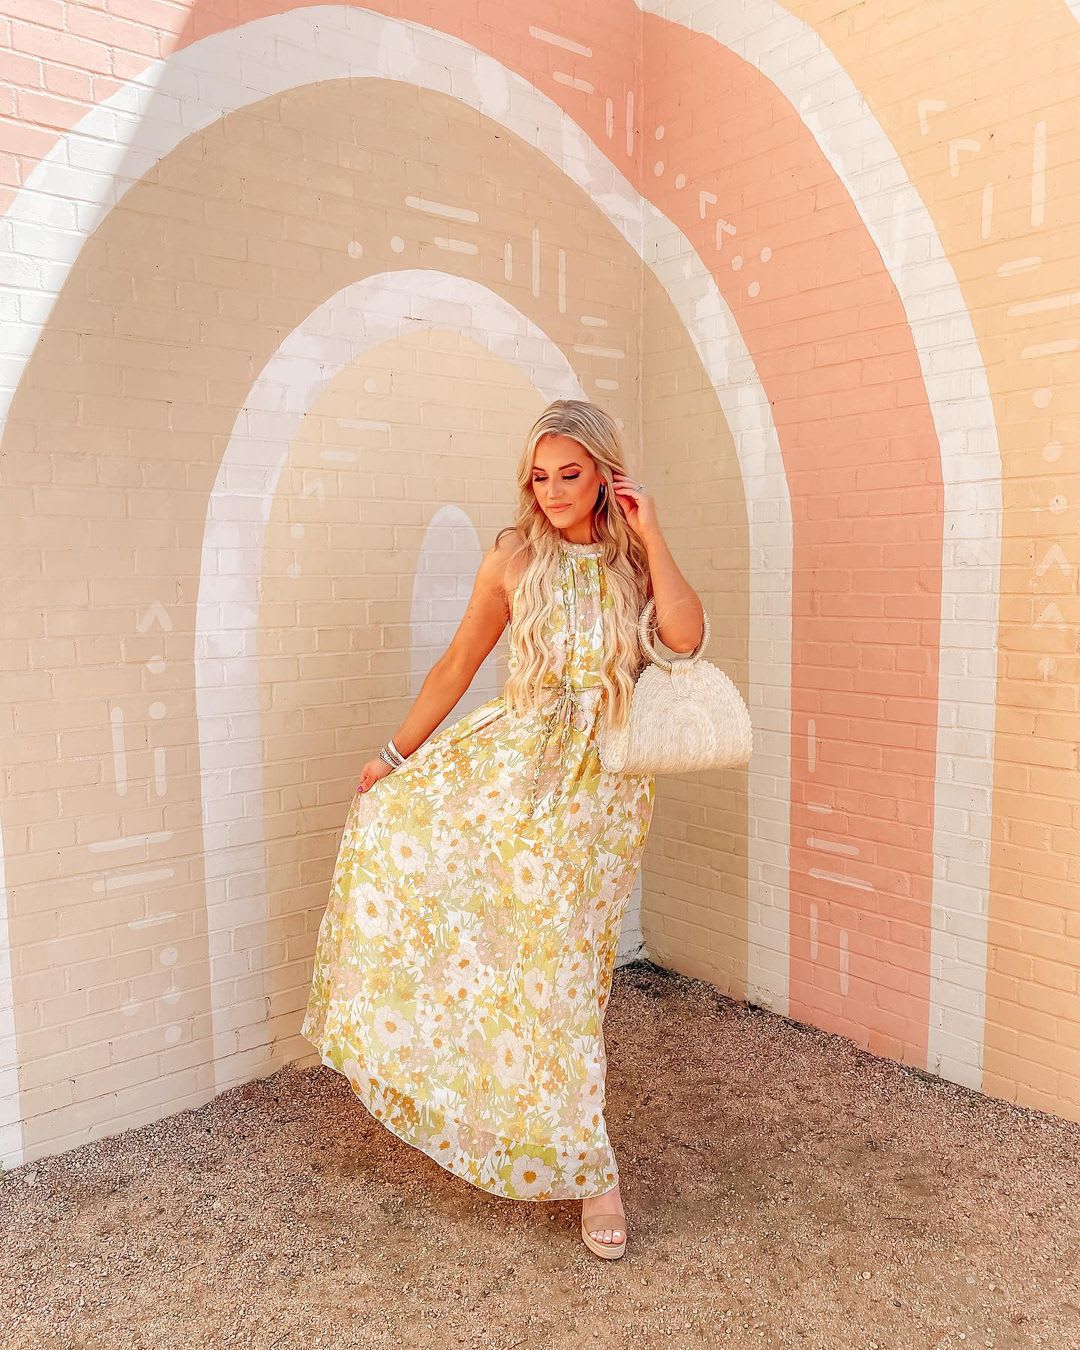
649,647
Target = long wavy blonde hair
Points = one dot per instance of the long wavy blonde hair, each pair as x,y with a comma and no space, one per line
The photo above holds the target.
624,557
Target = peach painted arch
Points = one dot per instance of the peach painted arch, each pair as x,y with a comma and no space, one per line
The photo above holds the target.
857,222
756,435
934,1012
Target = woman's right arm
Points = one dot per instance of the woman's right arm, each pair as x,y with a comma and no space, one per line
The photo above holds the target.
481,626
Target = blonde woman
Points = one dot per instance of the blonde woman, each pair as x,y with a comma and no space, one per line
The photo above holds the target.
465,958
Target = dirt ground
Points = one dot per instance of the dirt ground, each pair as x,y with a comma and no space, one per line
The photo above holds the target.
782,1188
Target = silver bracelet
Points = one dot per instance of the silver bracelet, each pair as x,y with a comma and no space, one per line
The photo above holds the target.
391,755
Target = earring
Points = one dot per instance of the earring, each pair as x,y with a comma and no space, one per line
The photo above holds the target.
602,494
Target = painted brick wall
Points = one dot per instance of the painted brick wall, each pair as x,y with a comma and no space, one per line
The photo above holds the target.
870,214
282,292
265,426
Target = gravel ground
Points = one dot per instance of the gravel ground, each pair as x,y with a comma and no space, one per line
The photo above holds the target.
782,1188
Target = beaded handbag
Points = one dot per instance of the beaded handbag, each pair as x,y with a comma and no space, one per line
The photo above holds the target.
685,714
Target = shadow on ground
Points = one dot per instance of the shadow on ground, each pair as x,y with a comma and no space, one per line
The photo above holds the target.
782,1188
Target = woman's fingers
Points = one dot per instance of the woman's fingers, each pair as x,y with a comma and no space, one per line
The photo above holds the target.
370,774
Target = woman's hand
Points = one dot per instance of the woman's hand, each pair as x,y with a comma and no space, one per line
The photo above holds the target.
372,771
637,506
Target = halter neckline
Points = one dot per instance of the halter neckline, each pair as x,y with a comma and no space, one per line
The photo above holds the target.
586,550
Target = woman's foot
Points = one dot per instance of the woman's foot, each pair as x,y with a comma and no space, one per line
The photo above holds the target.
603,1220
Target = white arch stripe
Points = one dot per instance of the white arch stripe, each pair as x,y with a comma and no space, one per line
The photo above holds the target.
183,93
450,551
793,57
748,413
377,309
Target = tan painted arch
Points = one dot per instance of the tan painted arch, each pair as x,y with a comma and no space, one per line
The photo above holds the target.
171,313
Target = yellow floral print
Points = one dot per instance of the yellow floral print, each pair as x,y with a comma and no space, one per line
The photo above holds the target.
465,958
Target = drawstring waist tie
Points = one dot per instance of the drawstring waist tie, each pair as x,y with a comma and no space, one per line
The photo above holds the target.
570,703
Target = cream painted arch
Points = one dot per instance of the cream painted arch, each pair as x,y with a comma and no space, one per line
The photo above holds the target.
377,309
126,135
793,57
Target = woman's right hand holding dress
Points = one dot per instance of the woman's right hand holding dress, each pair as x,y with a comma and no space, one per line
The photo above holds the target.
370,774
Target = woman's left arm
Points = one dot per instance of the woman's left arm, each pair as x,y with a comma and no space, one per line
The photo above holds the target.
679,613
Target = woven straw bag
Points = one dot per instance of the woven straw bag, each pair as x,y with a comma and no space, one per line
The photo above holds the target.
685,714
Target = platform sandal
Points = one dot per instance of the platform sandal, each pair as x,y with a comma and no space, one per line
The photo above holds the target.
596,1223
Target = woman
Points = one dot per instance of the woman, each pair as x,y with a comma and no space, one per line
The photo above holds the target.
465,958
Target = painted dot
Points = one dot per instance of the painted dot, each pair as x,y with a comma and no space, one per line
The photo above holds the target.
167,956
173,1034
680,181
293,569
1052,452
1041,398
659,133
157,710
766,253
658,167
297,530
753,289
356,248
371,385
397,244
736,262
155,665
1058,503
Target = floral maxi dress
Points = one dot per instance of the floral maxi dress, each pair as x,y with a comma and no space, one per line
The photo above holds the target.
465,958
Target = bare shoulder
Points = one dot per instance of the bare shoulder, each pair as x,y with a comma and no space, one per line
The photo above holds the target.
506,554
